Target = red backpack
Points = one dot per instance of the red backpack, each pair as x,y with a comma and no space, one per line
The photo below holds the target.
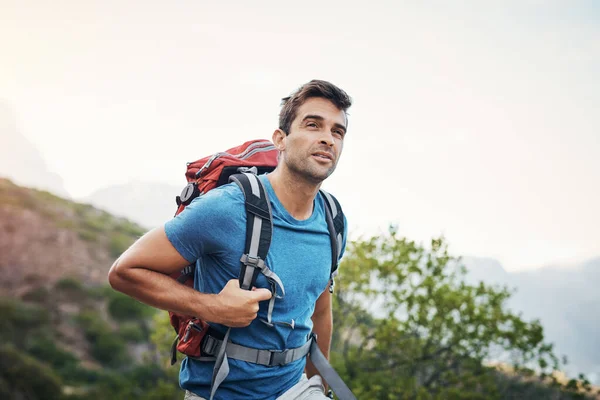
204,175
242,165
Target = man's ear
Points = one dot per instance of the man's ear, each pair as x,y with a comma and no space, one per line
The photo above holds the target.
279,139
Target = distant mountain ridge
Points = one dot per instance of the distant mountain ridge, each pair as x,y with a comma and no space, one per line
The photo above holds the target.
565,300
150,204
21,161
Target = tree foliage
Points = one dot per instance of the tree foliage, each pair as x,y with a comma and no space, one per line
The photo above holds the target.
408,326
24,377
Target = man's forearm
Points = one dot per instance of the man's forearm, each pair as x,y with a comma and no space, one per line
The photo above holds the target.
161,291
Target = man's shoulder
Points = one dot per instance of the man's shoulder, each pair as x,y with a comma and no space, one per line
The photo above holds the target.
228,190
228,193
221,201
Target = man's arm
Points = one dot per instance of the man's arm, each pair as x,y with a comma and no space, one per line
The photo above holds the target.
142,273
323,326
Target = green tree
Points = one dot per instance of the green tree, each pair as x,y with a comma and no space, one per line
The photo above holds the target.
162,338
24,377
408,326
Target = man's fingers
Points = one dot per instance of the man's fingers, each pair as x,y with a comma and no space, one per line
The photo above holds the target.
234,283
261,294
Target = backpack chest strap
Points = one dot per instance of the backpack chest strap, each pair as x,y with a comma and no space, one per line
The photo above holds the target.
269,358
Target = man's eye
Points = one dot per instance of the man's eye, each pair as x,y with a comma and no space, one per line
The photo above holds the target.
312,124
339,133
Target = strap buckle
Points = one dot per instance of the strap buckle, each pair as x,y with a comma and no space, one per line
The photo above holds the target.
255,262
209,345
279,358
251,170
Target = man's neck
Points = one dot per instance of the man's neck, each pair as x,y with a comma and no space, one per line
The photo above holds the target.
295,194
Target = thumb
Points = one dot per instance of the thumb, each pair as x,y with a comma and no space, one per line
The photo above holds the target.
261,294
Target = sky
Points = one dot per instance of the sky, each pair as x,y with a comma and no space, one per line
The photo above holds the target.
474,120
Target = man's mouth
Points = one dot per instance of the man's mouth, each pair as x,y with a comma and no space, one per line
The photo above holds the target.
324,155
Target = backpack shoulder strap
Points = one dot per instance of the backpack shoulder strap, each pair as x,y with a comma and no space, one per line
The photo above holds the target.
335,223
259,227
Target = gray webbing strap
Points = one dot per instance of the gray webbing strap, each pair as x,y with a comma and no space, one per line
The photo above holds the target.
328,373
275,281
259,226
271,276
221,369
268,358
259,229
252,260
273,358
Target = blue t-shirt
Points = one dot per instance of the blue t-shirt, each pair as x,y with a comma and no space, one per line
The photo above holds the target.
212,232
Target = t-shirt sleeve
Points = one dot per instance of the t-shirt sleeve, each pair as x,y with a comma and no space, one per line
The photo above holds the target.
204,224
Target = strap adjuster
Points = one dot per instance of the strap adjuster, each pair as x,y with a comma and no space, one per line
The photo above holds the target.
255,262
210,345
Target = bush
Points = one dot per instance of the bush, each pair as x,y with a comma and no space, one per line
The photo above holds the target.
20,319
45,349
107,347
142,382
119,242
38,295
69,283
92,324
96,223
24,377
110,350
124,308
88,235
129,228
100,292
132,332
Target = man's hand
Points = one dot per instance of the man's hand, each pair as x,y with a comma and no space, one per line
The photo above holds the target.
142,272
236,307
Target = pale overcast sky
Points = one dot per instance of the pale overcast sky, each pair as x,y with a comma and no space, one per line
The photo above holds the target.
477,120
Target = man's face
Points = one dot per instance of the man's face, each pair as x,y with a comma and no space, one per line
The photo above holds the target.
315,141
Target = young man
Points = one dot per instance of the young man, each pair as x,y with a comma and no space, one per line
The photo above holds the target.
211,231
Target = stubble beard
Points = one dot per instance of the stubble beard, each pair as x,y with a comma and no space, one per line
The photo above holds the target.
305,170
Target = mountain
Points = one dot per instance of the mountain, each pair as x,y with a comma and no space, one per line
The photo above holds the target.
487,270
149,204
64,333
565,300
21,161
44,238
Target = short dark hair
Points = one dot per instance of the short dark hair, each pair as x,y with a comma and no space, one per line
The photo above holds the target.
314,88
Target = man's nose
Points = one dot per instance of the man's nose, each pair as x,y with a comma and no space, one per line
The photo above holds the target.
327,138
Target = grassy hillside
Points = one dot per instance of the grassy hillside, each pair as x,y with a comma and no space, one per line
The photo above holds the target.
65,333
44,238
73,341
